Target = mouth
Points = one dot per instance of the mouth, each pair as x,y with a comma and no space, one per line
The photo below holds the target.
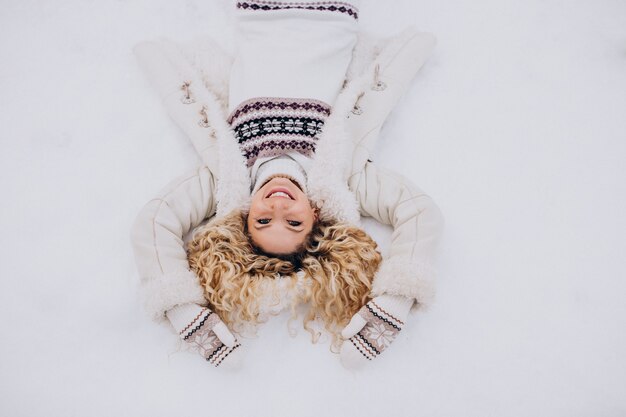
279,192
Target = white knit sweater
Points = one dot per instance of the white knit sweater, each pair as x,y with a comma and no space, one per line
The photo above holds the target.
272,46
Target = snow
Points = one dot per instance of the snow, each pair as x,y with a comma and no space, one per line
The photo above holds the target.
516,127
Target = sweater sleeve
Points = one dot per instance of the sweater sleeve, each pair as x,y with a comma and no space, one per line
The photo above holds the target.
157,239
417,225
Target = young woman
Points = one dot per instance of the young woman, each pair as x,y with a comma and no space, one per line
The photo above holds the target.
285,178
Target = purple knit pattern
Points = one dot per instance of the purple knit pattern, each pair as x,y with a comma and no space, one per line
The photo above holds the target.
273,126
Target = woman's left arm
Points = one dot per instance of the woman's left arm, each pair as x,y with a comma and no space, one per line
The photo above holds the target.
417,223
406,274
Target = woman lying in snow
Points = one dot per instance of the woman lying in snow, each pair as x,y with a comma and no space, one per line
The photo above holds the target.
275,207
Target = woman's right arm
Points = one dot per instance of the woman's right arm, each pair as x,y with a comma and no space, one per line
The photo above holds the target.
157,239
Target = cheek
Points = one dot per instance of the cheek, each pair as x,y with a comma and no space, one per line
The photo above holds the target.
308,213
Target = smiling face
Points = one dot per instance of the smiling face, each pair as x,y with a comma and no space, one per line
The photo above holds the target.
280,217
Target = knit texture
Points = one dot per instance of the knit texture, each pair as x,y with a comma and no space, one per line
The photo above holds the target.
204,332
320,6
272,126
290,50
373,329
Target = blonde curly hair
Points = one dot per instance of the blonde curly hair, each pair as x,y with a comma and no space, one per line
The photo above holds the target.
338,260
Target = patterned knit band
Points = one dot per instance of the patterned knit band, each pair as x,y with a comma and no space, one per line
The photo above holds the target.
273,126
325,6
377,335
201,337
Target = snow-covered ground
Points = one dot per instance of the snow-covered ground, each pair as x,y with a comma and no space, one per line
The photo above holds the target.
516,126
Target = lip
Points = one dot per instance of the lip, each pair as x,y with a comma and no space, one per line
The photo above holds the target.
279,189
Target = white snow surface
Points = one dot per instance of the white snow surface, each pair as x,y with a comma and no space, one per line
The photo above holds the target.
516,127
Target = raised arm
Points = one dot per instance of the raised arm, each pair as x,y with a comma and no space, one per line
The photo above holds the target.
168,287
417,224
406,274
157,240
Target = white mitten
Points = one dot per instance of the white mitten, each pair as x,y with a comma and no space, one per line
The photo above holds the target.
373,328
205,333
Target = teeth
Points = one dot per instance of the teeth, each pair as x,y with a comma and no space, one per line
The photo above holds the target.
279,194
